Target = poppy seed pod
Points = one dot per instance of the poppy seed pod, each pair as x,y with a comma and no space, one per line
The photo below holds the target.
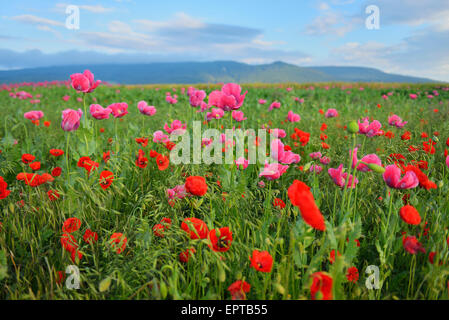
376,168
353,127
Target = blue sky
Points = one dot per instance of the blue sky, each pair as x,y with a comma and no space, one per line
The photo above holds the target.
413,37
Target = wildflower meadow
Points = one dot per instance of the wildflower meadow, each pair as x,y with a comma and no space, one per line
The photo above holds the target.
282,192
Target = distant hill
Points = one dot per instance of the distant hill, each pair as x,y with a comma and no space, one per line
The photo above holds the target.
207,72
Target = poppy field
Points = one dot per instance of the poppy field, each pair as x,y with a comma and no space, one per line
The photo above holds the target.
350,202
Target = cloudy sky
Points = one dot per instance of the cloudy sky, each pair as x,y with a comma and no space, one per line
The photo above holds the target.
413,38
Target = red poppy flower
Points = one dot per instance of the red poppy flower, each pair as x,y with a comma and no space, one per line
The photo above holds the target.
412,246
352,275
239,289
118,242
53,195
90,236
332,256
60,278
196,228
279,203
3,192
428,146
303,137
220,241
56,152
166,222
162,162
35,166
323,127
410,215
106,178
301,196
142,141
389,134
153,154
47,123
185,255
196,185
424,135
158,230
106,156
169,145
321,287
71,225
141,161
261,261
424,181
406,136
68,242
56,172
27,158
75,254
88,164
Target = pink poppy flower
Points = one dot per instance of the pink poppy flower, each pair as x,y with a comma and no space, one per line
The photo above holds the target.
196,97
396,121
262,101
98,112
315,155
119,109
413,96
331,113
274,105
172,100
293,117
84,82
392,177
279,154
369,129
316,168
341,178
159,136
241,162
238,116
71,119
325,160
447,161
66,98
273,171
33,115
145,109
278,133
206,142
215,114
176,127
229,98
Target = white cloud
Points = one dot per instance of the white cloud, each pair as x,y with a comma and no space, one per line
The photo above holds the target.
60,7
34,20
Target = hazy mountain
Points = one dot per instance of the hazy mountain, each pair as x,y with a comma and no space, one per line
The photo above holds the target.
206,72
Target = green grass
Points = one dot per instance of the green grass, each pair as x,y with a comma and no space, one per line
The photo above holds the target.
149,268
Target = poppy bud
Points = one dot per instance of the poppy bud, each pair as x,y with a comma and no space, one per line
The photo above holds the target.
307,166
376,168
435,139
440,184
353,127
221,274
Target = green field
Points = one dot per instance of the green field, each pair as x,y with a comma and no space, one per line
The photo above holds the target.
33,260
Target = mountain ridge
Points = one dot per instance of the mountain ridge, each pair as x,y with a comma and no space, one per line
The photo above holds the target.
208,72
